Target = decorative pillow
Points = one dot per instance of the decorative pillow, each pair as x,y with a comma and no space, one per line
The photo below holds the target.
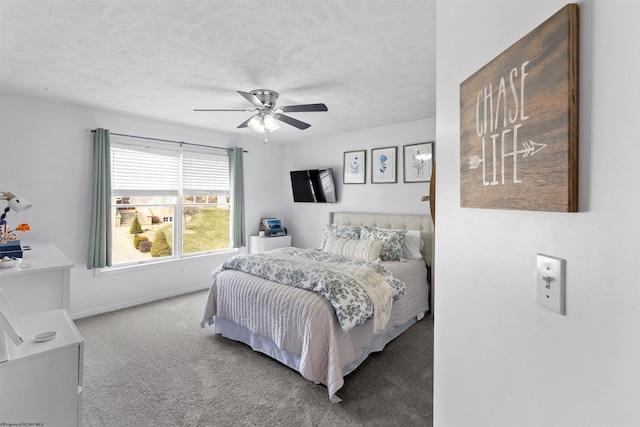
413,243
344,231
368,250
393,242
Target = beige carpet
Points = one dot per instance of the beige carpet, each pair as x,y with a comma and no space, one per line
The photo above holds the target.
153,365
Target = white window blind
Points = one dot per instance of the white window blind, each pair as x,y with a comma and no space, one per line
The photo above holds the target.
144,172
205,174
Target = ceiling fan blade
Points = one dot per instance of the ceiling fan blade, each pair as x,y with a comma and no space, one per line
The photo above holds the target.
303,108
245,123
216,109
251,98
293,122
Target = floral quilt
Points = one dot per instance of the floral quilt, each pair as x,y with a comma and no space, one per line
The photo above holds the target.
355,288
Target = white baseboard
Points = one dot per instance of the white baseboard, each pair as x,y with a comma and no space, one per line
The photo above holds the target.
127,304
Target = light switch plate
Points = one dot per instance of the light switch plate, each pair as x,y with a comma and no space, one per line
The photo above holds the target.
550,282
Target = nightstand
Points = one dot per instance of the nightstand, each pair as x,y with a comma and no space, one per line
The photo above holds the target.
259,244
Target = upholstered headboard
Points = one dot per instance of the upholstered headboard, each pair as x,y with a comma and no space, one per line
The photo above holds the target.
392,221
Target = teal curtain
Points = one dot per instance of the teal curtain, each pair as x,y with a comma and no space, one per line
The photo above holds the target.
100,232
236,182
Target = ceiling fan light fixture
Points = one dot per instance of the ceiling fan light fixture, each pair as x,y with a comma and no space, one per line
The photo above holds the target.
263,123
270,123
256,123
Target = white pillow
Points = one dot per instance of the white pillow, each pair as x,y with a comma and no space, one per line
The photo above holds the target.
368,250
413,243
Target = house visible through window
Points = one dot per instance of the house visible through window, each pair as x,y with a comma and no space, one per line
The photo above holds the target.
167,204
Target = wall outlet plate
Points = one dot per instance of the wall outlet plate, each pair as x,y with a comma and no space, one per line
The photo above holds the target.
550,282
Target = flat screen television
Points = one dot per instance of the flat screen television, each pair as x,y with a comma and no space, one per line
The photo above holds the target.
313,186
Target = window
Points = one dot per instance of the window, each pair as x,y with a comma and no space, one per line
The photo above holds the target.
167,204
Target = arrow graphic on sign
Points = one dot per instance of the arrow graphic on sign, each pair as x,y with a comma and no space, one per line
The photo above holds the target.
530,148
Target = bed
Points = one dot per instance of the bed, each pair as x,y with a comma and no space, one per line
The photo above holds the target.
306,331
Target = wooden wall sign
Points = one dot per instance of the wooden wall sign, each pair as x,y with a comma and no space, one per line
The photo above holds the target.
519,123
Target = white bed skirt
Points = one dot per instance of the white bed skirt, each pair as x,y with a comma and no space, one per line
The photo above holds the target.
231,330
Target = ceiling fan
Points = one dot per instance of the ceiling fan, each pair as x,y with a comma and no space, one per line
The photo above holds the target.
267,115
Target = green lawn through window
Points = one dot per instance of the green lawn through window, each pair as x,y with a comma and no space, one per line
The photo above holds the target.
205,231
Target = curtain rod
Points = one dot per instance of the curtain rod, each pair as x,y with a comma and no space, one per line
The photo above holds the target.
167,140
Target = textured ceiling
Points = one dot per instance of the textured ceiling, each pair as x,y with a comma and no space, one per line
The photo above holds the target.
370,61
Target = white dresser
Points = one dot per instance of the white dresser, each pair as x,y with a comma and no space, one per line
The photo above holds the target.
41,383
259,244
41,283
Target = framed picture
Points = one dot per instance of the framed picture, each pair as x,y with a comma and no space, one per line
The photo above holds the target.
383,165
355,167
418,162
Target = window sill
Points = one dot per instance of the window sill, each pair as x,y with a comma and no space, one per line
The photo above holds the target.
143,265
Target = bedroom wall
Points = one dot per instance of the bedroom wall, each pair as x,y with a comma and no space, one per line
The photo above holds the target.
46,156
304,221
501,359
